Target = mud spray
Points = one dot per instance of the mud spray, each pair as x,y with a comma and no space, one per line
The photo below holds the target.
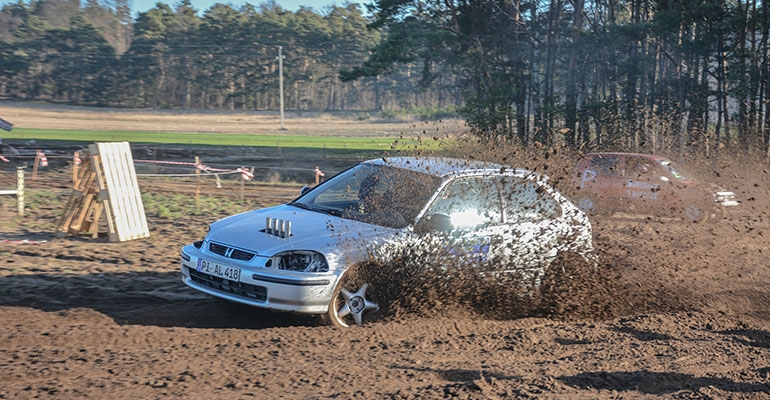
646,263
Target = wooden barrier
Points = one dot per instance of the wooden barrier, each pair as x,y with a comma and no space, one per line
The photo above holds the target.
122,190
76,161
81,213
106,186
19,192
40,160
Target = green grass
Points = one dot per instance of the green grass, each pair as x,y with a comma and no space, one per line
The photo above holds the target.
36,199
227,139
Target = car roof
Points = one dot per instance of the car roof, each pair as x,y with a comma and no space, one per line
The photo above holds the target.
445,166
627,155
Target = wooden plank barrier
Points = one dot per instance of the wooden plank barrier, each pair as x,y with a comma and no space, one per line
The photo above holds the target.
124,197
76,161
106,185
75,214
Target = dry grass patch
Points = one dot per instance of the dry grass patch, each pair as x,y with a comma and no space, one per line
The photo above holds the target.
46,116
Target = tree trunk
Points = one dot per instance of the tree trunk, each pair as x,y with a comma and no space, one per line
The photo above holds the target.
161,80
550,66
572,73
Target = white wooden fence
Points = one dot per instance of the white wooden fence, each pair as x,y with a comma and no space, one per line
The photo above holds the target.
19,191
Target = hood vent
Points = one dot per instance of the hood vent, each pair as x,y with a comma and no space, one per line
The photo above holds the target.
278,227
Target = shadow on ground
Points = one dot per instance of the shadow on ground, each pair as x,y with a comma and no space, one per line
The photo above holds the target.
139,298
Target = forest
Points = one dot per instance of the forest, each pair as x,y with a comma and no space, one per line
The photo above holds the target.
668,75
218,59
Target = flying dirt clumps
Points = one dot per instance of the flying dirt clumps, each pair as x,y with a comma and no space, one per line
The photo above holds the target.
572,288
646,263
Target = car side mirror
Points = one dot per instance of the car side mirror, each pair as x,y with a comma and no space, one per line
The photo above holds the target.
304,190
434,223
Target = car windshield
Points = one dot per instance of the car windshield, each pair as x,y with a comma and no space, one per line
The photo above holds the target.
377,194
676,171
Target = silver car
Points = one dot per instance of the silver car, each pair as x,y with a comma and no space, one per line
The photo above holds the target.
300,257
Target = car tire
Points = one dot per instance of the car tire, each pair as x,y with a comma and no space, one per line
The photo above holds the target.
352,302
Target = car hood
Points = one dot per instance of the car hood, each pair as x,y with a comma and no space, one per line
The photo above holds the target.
309,230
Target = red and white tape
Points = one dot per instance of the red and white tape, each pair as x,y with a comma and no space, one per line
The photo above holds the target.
245,174
3,159
43,159
76,158
202,167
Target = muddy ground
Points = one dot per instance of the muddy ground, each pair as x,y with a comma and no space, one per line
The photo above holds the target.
684,312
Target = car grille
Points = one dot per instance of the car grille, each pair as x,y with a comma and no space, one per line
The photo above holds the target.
240,289
230,252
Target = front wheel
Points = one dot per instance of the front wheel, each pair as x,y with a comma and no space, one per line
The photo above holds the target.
350,303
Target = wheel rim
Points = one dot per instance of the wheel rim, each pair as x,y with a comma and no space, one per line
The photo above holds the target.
353,306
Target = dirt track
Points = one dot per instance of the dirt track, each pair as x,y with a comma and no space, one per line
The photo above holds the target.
685,314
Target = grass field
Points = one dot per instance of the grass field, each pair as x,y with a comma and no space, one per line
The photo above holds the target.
34,121
233,139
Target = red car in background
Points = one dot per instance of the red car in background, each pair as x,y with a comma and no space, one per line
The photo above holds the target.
645,184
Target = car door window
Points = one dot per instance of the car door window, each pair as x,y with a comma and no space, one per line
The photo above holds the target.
469,202
526,201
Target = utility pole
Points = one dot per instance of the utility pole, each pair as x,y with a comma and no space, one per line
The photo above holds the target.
280,81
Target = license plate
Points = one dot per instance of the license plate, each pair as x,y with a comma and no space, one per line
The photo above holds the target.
219,270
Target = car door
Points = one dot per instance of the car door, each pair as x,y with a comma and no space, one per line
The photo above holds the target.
467,218
534,225
643,185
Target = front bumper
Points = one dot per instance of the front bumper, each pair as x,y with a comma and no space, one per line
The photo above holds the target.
298,292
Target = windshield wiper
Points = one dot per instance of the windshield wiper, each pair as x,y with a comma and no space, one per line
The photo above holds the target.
335,213
304,206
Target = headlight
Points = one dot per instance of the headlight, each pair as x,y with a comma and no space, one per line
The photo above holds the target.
302,261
